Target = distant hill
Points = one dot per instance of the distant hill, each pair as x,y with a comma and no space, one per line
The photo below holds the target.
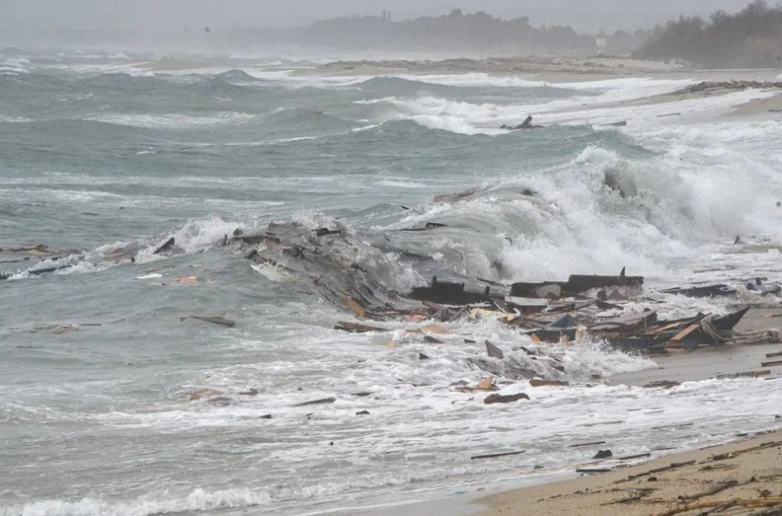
751,38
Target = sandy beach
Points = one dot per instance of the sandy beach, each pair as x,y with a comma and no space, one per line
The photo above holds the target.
548,69
744,477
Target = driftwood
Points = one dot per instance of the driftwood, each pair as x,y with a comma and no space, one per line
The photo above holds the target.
752,503
674,465
165,246
322,401
712,491
222,321
500,398
496,455
357,328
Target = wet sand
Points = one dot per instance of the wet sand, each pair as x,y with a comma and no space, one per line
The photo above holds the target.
746,470
713,361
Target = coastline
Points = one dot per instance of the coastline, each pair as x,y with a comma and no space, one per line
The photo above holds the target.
553,70
747,469
553,493
547,69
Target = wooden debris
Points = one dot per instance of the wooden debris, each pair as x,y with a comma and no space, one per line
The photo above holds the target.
594,470
676,341
752,503
357,308
494,351
496,455
602,423
487,384
662,384
746,374
322,401
165,246
773,355
633,457
432,340
722,486
187,280
64,329
500,398
202,393
357,328
536,382
436,328
222,321
773,363
673,465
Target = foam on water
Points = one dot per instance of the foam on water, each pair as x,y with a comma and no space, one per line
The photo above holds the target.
173,121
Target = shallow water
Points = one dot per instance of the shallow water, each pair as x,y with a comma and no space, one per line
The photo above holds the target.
96,152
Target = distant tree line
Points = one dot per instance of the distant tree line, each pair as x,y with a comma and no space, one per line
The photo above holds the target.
749,38
456,31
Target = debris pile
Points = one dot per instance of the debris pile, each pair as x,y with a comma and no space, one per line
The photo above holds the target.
352,274
729,85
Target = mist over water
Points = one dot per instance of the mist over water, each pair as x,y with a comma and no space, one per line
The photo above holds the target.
98,151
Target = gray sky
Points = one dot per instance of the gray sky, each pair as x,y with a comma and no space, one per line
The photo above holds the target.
156,15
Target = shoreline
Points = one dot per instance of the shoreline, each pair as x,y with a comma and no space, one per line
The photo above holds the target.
747,469
563,491
547,69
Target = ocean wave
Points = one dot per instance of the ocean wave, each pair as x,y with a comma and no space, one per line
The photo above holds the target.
172,121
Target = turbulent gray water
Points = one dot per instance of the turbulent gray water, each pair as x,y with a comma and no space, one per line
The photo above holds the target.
100,151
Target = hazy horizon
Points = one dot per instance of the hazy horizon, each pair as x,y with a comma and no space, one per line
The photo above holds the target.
25,17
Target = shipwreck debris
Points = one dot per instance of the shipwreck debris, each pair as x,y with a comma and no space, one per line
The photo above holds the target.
497,455
165,246
501,398
526,124
221,321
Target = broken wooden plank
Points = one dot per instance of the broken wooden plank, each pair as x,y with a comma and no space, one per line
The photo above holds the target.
355,307
677,340
507,398
602,423
165,246
537,382
773,355
357,328
673,465
222,321
773,363
594,470
745,374
494,351
322,401
582,282
496,455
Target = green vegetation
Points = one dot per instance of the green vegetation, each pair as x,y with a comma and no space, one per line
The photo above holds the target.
748,39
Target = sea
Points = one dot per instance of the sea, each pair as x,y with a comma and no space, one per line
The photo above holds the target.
114,400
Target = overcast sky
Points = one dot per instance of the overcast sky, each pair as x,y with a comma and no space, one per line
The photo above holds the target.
177,14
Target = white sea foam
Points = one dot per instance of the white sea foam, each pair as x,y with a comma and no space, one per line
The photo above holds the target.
173,121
